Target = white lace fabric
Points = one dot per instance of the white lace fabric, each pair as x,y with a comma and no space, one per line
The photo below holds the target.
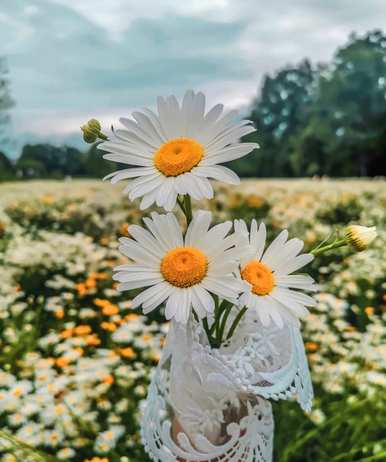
209,404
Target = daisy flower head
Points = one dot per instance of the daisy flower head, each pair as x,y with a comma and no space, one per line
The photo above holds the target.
177,150
183,271
271,288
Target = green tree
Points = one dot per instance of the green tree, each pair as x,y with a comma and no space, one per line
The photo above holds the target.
46,160
345,131
278,113
7,171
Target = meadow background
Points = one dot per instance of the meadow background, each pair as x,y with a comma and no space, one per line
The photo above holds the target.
75,359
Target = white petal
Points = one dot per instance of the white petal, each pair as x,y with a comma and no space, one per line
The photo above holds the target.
127,276
129,173
217,172
203,185
286,254
230,136
151,293
148,199
224,287
198,227
229,153
258,240
164,291
148,126
159,228
289,302
295,264
129,285
144,185
140,134
262,309
137,253
202,301
156,123
274,248
296,281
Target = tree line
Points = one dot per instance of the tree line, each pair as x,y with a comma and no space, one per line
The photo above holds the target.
311,119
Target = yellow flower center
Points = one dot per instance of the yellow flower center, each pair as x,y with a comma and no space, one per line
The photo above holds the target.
178,156
184,266
259,276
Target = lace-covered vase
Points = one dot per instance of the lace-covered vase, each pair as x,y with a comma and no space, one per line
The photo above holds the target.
213,404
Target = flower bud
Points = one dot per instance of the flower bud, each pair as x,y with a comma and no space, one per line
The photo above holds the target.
91,131
360,237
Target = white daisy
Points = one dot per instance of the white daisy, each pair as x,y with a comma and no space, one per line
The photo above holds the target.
272,290
176,151
181,270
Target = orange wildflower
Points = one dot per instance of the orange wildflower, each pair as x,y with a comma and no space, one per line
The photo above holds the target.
79,350
67,333
131,317
110,326
82,330
101,275
59,313
369,310
110,310
124,230
128,352
92,340
62,362
81,288
90,283
109,379
97,459
255,201
311,346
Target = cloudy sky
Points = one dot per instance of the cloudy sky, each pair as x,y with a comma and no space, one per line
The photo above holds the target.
71,60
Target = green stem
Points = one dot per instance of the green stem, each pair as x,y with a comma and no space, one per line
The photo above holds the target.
25,448
211,340
225,315
236,322
188,209
217,312
325,248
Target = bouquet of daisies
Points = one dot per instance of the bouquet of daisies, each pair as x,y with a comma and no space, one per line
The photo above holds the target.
233,300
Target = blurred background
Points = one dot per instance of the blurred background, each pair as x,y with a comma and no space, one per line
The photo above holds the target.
75,359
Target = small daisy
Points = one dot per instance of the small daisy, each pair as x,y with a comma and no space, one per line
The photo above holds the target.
176,151
272,290
181,270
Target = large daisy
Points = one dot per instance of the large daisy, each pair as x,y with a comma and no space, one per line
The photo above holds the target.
271,289
183,271
177,150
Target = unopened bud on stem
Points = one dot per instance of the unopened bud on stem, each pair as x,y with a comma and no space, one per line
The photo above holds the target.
360,237
92,131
